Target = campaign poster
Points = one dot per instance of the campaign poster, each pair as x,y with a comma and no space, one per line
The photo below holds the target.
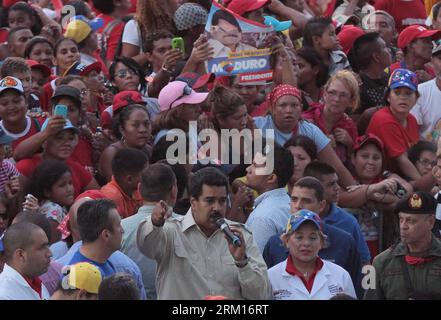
241,47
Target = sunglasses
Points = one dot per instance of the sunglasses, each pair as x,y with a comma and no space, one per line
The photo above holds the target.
185,92
123,73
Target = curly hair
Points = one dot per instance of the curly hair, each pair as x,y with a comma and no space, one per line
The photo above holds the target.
151,16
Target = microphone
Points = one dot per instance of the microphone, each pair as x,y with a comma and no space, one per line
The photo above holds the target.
227,231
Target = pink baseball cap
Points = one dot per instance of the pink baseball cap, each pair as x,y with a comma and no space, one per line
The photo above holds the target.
178,92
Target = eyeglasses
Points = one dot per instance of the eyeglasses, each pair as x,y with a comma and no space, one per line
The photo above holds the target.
427,163
124,72
84,91
185,92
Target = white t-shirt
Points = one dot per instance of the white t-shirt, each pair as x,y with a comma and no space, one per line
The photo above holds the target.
132,35
427,111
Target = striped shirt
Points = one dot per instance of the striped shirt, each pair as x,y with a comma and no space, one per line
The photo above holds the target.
7,170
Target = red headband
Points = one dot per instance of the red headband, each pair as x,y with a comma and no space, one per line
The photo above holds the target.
284,90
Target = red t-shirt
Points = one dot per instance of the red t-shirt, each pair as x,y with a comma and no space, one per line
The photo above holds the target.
80,176
402,65
33,126
315,115
83,153
113,38
396,138
405,13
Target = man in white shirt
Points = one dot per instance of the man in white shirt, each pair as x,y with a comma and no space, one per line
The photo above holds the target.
426,110
27,257
226,35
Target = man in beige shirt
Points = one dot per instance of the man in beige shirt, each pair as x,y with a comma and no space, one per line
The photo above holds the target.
194,258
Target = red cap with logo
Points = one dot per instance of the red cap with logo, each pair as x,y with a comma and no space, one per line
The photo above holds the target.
416,32
43,68
125,98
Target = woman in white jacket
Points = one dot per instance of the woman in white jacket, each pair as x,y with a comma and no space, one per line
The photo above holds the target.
304,276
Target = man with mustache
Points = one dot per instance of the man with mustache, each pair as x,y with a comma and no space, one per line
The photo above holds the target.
410,270
194,258
226,34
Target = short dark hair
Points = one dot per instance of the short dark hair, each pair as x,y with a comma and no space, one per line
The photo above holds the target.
155,36
128,161
317,169
313,184
157,182
304,142
119,286
45,175
105,6
224,15
13,31
208,176
70,78
181,176
313,58
132,65
414,153
93,217
12,65
283,165
33,42
18,236
364,47
38,219
315,27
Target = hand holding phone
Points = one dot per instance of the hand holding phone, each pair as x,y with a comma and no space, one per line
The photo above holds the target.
60,110
178,43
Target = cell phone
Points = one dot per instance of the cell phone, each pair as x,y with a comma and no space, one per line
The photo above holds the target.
60,110
178,43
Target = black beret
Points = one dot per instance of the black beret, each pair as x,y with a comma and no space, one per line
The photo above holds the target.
419,202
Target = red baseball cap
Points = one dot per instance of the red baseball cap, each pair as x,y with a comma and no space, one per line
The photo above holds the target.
195,80
9,3
348,35
416,32
361,141
43,68
243,6
125,98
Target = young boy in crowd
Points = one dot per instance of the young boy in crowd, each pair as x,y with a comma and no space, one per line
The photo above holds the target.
319,33
127,165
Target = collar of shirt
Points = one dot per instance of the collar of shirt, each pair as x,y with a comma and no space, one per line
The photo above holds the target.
188,220
331,216
24,281
292,270
434,250
146,210
279,192
338,57
35,284
115,184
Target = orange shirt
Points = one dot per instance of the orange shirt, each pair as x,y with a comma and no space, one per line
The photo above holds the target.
126,206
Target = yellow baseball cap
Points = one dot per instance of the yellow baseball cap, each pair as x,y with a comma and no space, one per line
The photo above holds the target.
84,276
80,27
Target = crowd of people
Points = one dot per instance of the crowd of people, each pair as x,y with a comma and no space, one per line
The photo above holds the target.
108,189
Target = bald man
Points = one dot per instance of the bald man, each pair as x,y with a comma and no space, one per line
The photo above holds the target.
27,257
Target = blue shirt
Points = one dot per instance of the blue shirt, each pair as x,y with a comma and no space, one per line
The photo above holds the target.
341,249
305,129
342,219
270,215
106,268
119,260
